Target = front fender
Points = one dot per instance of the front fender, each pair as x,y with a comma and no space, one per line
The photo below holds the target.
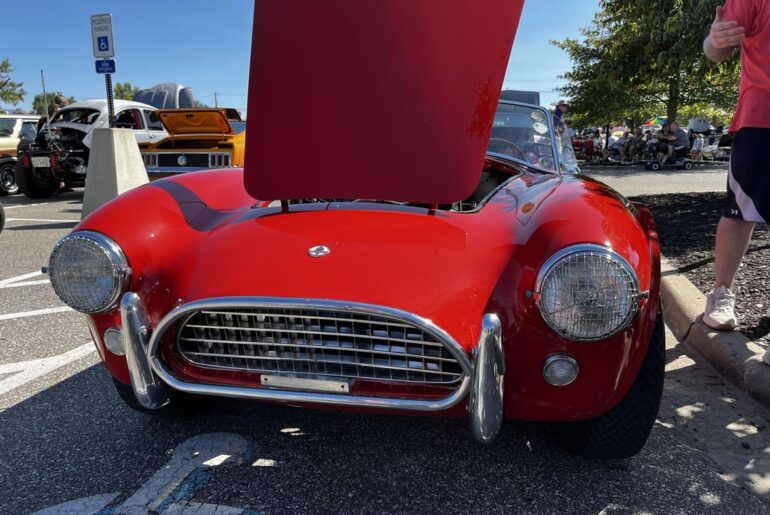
550,216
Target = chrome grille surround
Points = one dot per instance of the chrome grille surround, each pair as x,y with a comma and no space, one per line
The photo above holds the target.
325,354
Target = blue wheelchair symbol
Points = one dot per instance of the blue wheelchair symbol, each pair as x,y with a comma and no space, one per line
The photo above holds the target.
103,42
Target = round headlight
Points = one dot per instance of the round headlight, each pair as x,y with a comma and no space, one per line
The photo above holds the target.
88,271
587,292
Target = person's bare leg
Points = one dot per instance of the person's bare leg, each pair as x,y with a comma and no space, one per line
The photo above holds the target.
733,237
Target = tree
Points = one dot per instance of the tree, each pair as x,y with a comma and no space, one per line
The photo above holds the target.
124,90
10,92
199,105
648,56
40,104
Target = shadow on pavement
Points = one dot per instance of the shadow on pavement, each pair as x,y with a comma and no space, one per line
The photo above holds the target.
76,439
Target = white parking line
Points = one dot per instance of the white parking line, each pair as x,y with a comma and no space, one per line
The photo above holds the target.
26,371
24,283
34,313
39,220
20,278
15,206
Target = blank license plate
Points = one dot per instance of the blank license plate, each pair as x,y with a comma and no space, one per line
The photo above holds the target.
296,383
41,162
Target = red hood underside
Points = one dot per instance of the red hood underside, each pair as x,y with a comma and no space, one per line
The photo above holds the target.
375,99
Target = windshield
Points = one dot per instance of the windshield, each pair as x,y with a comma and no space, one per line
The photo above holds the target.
238,127
76,115
522,133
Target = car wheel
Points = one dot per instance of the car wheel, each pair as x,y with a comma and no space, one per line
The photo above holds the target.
623,431
2,217
181,405
34,184
654,166
687,165
8,184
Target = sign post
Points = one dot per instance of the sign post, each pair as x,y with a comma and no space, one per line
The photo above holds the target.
104,49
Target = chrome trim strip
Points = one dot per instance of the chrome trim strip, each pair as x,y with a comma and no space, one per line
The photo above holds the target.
309,397
149,392
114,254
575,249
152,170
486,398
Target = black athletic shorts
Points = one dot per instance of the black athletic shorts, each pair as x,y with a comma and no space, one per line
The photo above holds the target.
748,177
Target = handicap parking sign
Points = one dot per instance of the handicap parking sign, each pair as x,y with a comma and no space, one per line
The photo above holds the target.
101,31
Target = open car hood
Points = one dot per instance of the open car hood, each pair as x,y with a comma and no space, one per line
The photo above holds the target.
374,100
195,121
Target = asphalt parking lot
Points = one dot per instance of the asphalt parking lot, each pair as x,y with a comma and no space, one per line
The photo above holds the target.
69,445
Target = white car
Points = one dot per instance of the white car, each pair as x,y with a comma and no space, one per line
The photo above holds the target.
61,150
88,115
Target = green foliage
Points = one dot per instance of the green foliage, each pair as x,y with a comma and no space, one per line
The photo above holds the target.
10,92
124,91
641,59
200,105
40,104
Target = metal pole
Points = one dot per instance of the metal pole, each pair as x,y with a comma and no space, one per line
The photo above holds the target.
110,104
45,107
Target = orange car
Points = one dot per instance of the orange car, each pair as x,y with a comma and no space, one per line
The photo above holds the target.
199,139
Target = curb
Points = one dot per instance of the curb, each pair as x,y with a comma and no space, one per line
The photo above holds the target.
736,357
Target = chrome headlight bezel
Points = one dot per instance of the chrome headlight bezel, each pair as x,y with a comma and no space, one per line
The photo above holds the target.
634,295
121,271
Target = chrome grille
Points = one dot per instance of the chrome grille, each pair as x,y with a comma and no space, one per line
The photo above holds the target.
150,159
219,160
317,343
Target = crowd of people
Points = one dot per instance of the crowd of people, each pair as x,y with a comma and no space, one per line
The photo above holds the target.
642,145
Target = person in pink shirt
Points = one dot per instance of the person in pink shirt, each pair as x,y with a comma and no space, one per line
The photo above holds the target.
744,23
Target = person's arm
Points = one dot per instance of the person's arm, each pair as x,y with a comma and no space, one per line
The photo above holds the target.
725,35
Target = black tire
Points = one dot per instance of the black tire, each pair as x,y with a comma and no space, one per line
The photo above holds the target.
654,166
623,431
2,217
35,185
8,184
181,405
687,165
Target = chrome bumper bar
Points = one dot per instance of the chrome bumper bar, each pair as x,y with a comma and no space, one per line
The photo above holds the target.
151,379
486,404
149,391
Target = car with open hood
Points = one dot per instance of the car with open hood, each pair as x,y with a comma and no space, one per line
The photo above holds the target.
399,241
198,139
61,150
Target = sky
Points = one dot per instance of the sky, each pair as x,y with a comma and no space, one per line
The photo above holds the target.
205,45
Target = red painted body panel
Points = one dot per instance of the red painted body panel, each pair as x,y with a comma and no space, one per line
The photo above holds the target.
383,99
196,236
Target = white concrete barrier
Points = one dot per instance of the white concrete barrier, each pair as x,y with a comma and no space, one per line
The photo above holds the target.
115,166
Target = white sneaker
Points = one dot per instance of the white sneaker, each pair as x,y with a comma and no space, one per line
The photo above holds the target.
720,310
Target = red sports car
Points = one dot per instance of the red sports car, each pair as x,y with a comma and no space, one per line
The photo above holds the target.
398,241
